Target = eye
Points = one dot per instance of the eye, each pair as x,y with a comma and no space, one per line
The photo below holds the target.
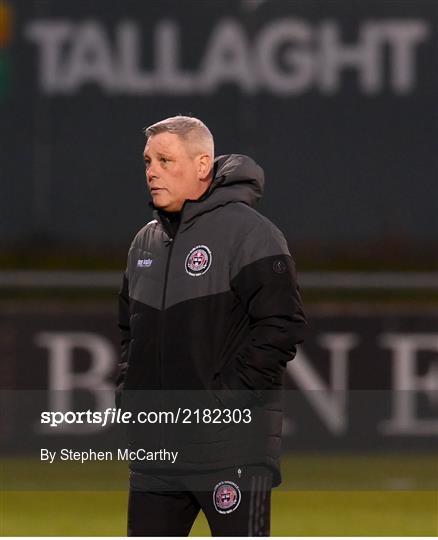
146,163
164,160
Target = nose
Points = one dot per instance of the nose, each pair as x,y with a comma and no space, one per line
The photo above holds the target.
151,173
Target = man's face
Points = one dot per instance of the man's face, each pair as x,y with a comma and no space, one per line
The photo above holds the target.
172,174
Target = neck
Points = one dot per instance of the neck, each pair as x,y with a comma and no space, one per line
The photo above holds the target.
206,189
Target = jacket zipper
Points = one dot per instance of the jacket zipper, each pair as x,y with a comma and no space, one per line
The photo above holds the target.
163,303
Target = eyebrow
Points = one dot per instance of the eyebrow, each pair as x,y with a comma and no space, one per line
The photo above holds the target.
160,154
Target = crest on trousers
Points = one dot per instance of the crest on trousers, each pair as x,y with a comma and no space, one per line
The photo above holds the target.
198,261
226,497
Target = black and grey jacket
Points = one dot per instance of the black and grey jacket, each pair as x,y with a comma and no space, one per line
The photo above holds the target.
214,308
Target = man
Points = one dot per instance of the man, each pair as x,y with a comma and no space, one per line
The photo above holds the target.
210,314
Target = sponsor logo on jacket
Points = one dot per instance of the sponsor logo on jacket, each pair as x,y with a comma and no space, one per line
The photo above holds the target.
144,263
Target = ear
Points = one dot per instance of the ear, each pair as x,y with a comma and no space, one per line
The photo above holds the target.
204,166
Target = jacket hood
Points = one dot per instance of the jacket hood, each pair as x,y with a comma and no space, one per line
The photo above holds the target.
237,178
242,177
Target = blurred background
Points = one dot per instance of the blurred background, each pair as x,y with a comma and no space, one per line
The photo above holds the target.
336,100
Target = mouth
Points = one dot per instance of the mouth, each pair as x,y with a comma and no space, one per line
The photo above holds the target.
157,190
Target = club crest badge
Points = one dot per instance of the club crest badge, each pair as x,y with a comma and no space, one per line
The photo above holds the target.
226,497
198,261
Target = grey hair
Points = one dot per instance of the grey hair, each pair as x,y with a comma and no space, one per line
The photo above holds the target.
188,128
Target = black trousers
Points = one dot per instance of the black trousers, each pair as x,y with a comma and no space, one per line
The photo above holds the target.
236,502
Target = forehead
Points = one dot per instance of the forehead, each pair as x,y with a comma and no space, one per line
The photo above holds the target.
164,143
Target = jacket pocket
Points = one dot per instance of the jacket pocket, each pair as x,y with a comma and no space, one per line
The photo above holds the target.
231,398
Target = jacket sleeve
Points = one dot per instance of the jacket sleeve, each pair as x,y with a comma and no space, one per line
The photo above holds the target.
263,278
125,338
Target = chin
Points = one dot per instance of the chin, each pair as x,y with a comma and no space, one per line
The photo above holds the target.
159,204
166,205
